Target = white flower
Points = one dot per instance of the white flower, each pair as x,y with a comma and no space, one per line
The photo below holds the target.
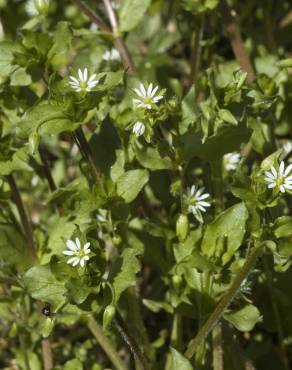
146,98
287,147
80,255
139,128
196,202
30,8
279,179
112,54
83,83
231,160
34,7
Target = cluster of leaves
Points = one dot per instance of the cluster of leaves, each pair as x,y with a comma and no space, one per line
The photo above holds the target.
72,167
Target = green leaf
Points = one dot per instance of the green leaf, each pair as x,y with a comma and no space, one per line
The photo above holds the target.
285,63
42,285
123,272
227,116
77,291
244,319
131,12
17,162
62,40
178,361
283,227
150,158
75,364
46,119
13,248
20,78
131,183
225,234
7,50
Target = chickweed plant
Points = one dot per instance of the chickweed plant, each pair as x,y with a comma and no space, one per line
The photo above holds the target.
145,185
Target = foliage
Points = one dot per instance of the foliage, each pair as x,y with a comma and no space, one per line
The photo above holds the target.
145,184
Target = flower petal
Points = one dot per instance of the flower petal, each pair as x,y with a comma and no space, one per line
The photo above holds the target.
78,244
71,245
69,253
143,90
149,90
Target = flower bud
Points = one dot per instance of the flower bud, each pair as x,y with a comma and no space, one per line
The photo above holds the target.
47,327
42,6
117,240
177,281
108,316
182,227
34,141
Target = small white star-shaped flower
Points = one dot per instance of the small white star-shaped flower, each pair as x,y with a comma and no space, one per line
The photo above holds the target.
279,179
231,160
78,255
146,97
287,147
196,201
111,55
83,83
139,128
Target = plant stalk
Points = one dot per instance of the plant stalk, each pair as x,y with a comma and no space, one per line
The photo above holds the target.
105,344
224,302
196,53
27,228
218,363
234,35
276,313
131,342
217,182
86,152
119,42
28,231
92,16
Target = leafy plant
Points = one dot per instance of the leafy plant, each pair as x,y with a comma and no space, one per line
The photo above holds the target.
145,184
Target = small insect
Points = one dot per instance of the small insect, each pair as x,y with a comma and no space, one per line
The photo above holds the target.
46,310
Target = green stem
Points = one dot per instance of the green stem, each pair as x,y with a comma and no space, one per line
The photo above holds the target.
276,313
224,302
217,347
136,318
176,333
26,224
196,52
87,154
105,344
217,183
131,342
23,346
28,231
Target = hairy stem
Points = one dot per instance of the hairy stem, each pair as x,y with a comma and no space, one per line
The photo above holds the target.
136,317
119,42
28,231
105,344
131,342
47,170
27,228
218,363
196,52
276,313
86,152
217,182
224,302
234,35
92,15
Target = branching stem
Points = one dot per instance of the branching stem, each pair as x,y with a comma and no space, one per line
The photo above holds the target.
105,344
224,302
